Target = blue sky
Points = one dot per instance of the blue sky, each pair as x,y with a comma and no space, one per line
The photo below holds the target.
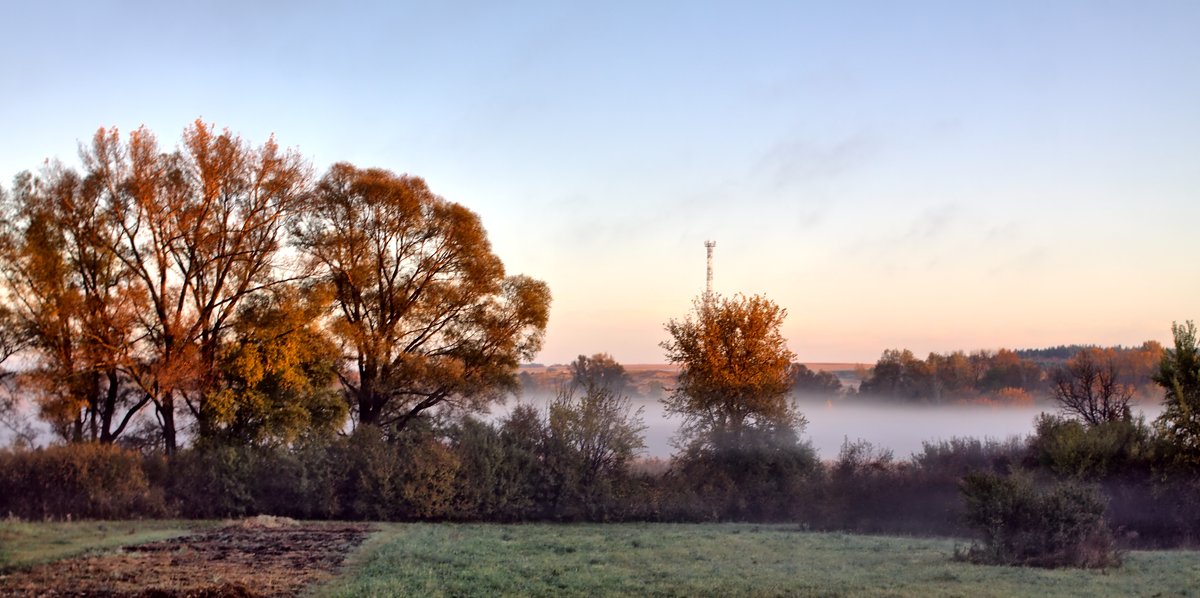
930,175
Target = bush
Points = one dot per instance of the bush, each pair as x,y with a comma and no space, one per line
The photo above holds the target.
954,458
427,473
1061,526
212,482
764,479
81,481
860,489
367,486
1067,447
499,476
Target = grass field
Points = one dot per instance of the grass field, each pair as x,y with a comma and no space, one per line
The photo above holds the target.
719,559
25,544
644,560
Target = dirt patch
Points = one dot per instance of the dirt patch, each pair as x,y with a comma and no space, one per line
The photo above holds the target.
237,560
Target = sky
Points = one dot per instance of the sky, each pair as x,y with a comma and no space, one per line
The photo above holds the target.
924,175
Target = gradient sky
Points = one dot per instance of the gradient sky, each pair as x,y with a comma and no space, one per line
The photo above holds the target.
930,175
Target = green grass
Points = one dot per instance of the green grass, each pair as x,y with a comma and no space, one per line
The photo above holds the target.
25,544
720,559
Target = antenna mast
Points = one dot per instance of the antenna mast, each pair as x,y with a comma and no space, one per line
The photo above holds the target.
709,245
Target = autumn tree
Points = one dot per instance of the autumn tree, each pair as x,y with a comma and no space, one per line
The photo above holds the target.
1006,369
71,300
198,230
423,312
1090,388
278,373
1179,375
734,373
13,339
955,375
1140,364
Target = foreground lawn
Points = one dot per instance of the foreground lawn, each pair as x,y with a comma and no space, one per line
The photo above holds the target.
25,544
719,559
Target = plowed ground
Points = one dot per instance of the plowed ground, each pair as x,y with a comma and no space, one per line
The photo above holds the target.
229,561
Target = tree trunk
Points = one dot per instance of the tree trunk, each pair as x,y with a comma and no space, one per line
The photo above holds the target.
166,411
109,407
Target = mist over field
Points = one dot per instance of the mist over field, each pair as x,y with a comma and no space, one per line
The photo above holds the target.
903,429
899,428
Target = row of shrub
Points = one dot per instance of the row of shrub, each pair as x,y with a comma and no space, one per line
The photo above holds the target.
514,471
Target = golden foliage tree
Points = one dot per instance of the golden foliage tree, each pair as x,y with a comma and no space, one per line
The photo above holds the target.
734,372
278,373
198,231
73,302
424,313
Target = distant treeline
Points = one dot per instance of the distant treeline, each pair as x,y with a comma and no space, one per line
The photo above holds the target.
1002,377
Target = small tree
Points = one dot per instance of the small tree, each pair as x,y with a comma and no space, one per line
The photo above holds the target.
734,373
1179,375
591,438
1089,388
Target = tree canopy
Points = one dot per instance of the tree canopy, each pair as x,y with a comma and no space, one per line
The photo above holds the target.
734,372
218,284
424,313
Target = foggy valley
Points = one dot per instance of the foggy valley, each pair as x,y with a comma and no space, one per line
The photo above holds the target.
899,428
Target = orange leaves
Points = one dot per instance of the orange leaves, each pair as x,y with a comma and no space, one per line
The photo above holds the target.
424,313
734,368
138,270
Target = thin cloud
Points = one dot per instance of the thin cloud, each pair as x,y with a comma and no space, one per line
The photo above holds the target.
794,161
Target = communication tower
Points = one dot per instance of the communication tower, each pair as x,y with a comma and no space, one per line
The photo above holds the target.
709,245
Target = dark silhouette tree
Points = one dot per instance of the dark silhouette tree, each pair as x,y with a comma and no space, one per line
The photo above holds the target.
813,383
899,375
1089,387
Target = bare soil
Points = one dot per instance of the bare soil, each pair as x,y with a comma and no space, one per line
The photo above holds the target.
236,560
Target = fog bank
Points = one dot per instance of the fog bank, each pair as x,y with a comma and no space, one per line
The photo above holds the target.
900,428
